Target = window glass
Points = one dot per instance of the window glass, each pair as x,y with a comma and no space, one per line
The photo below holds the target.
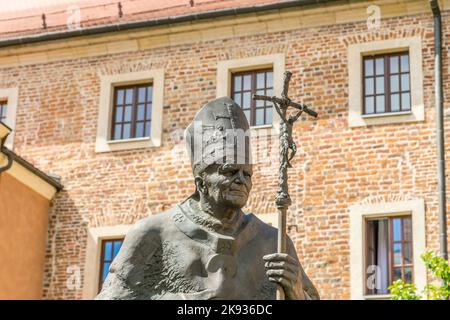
3,107
394,66
245,85
110,249
132,112
379,63
368,65
386,83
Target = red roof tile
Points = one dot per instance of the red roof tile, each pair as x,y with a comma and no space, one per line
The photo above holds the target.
102,12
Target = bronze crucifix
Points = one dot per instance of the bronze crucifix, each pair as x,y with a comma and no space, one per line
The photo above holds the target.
287,152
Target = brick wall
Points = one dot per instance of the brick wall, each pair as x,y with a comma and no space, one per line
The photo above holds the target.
336,166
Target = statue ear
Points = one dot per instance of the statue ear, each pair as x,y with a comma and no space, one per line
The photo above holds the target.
201,185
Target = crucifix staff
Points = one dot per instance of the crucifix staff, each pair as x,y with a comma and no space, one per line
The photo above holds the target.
287,153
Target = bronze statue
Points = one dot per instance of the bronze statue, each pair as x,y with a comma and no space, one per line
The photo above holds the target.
206,247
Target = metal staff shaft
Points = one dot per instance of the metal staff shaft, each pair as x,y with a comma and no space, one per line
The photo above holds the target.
281,245
282,200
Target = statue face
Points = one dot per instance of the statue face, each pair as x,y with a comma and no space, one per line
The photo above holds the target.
228,185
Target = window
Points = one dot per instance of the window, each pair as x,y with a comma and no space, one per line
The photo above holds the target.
245,85
386,241
261,117
3,107
132,112
110,249
94,262
387,83
388,252
9,98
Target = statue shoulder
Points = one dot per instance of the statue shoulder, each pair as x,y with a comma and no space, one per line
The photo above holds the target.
139,249
153,225
145,235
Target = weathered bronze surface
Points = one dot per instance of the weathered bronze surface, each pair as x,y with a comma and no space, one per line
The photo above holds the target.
206,247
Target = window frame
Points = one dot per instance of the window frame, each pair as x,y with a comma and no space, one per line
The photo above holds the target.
355,54
275,61
95,236
253,88
134,106
103,142
11,96
387,83
374,207
391,243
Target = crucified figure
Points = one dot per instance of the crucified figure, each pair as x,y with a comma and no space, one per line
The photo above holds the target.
286,139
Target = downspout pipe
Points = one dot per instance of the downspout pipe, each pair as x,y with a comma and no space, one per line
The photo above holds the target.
8,157
440,128
8,164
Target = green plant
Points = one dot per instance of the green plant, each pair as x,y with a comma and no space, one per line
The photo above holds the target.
403,291
440,268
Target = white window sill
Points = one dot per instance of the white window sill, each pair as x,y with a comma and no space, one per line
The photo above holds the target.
265,130
377,297
128,140
386,114
264,126
126,144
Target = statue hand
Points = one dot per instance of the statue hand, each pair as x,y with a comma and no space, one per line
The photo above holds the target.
284,270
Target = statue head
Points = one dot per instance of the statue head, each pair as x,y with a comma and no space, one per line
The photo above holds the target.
218,142
225,185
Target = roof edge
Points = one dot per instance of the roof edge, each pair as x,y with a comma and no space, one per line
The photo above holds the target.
15,157
155,22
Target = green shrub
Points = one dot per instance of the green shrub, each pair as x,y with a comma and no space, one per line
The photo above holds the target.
440,268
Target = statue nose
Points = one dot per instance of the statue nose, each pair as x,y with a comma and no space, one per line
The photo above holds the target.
240,178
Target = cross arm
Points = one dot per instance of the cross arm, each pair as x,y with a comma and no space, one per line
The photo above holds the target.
280,101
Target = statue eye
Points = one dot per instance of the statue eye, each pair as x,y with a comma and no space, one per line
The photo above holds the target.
228,172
